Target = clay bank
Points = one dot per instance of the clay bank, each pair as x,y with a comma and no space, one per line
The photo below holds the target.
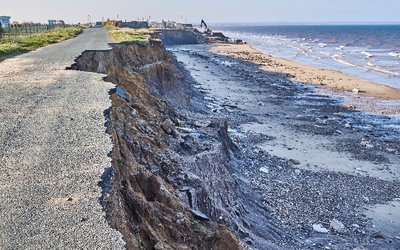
209,154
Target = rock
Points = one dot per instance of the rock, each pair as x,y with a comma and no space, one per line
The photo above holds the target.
366,199
185,130
347,125
297,171
294,162
351,106
260,104
355,90
264,170
202,124
320,229
167,126
179,122
338,226
199,215
273,96
379,235
179,216
366,143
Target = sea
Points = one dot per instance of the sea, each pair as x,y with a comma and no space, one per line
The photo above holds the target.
370,52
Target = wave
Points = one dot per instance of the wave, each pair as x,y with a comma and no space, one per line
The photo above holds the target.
394,54
377,68
339,58
341,47
369,55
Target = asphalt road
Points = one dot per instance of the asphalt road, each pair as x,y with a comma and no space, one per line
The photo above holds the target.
53,150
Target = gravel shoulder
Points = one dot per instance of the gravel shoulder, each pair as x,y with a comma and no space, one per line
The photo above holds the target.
54,150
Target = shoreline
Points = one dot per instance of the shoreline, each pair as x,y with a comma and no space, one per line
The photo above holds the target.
359,93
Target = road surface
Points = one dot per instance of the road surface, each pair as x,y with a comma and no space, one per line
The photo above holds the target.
53,150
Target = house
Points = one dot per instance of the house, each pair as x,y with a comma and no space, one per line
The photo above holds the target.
53,22
5,22
134,24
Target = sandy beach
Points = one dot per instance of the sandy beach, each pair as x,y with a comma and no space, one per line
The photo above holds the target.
330,79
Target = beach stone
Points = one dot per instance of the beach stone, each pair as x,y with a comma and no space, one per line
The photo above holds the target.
264,170
351,106
338,226
320,229
202,124
260,104
366,143
167,126
379,235
355,90
347,125
294,162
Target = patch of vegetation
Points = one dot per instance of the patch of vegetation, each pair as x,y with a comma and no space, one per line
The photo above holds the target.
120,35
19,44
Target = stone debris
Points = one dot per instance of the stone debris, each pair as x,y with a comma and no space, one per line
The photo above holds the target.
167,126
202,124
320,229
199,215
338,226
366,143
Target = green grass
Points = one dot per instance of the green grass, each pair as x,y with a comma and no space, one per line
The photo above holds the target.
120,35
19,44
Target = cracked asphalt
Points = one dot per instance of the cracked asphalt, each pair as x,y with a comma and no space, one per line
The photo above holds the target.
53,150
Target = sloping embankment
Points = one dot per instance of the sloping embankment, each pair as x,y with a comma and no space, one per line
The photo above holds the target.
174,183
144,203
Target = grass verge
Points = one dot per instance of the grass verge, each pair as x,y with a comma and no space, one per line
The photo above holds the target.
120,35
20,44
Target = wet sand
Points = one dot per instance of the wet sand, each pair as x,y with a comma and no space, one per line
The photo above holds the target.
330,79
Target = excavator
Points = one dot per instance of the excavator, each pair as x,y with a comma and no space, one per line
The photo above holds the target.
205,26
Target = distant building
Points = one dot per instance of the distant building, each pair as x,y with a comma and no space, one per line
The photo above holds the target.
134,24
184,26
113,23
5,22
53,22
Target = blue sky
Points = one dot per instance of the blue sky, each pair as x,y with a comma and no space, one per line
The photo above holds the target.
370,11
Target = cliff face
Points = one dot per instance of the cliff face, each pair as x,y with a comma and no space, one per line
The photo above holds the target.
156,166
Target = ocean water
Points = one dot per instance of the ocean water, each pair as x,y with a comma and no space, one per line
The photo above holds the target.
371,52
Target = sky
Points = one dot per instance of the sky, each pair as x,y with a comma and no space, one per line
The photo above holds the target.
253,11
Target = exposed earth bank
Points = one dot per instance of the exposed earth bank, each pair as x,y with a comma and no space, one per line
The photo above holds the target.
192,166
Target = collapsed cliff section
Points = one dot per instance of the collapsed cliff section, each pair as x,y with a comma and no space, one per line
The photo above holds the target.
174,182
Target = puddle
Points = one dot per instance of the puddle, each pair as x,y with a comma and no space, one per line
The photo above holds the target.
386,218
